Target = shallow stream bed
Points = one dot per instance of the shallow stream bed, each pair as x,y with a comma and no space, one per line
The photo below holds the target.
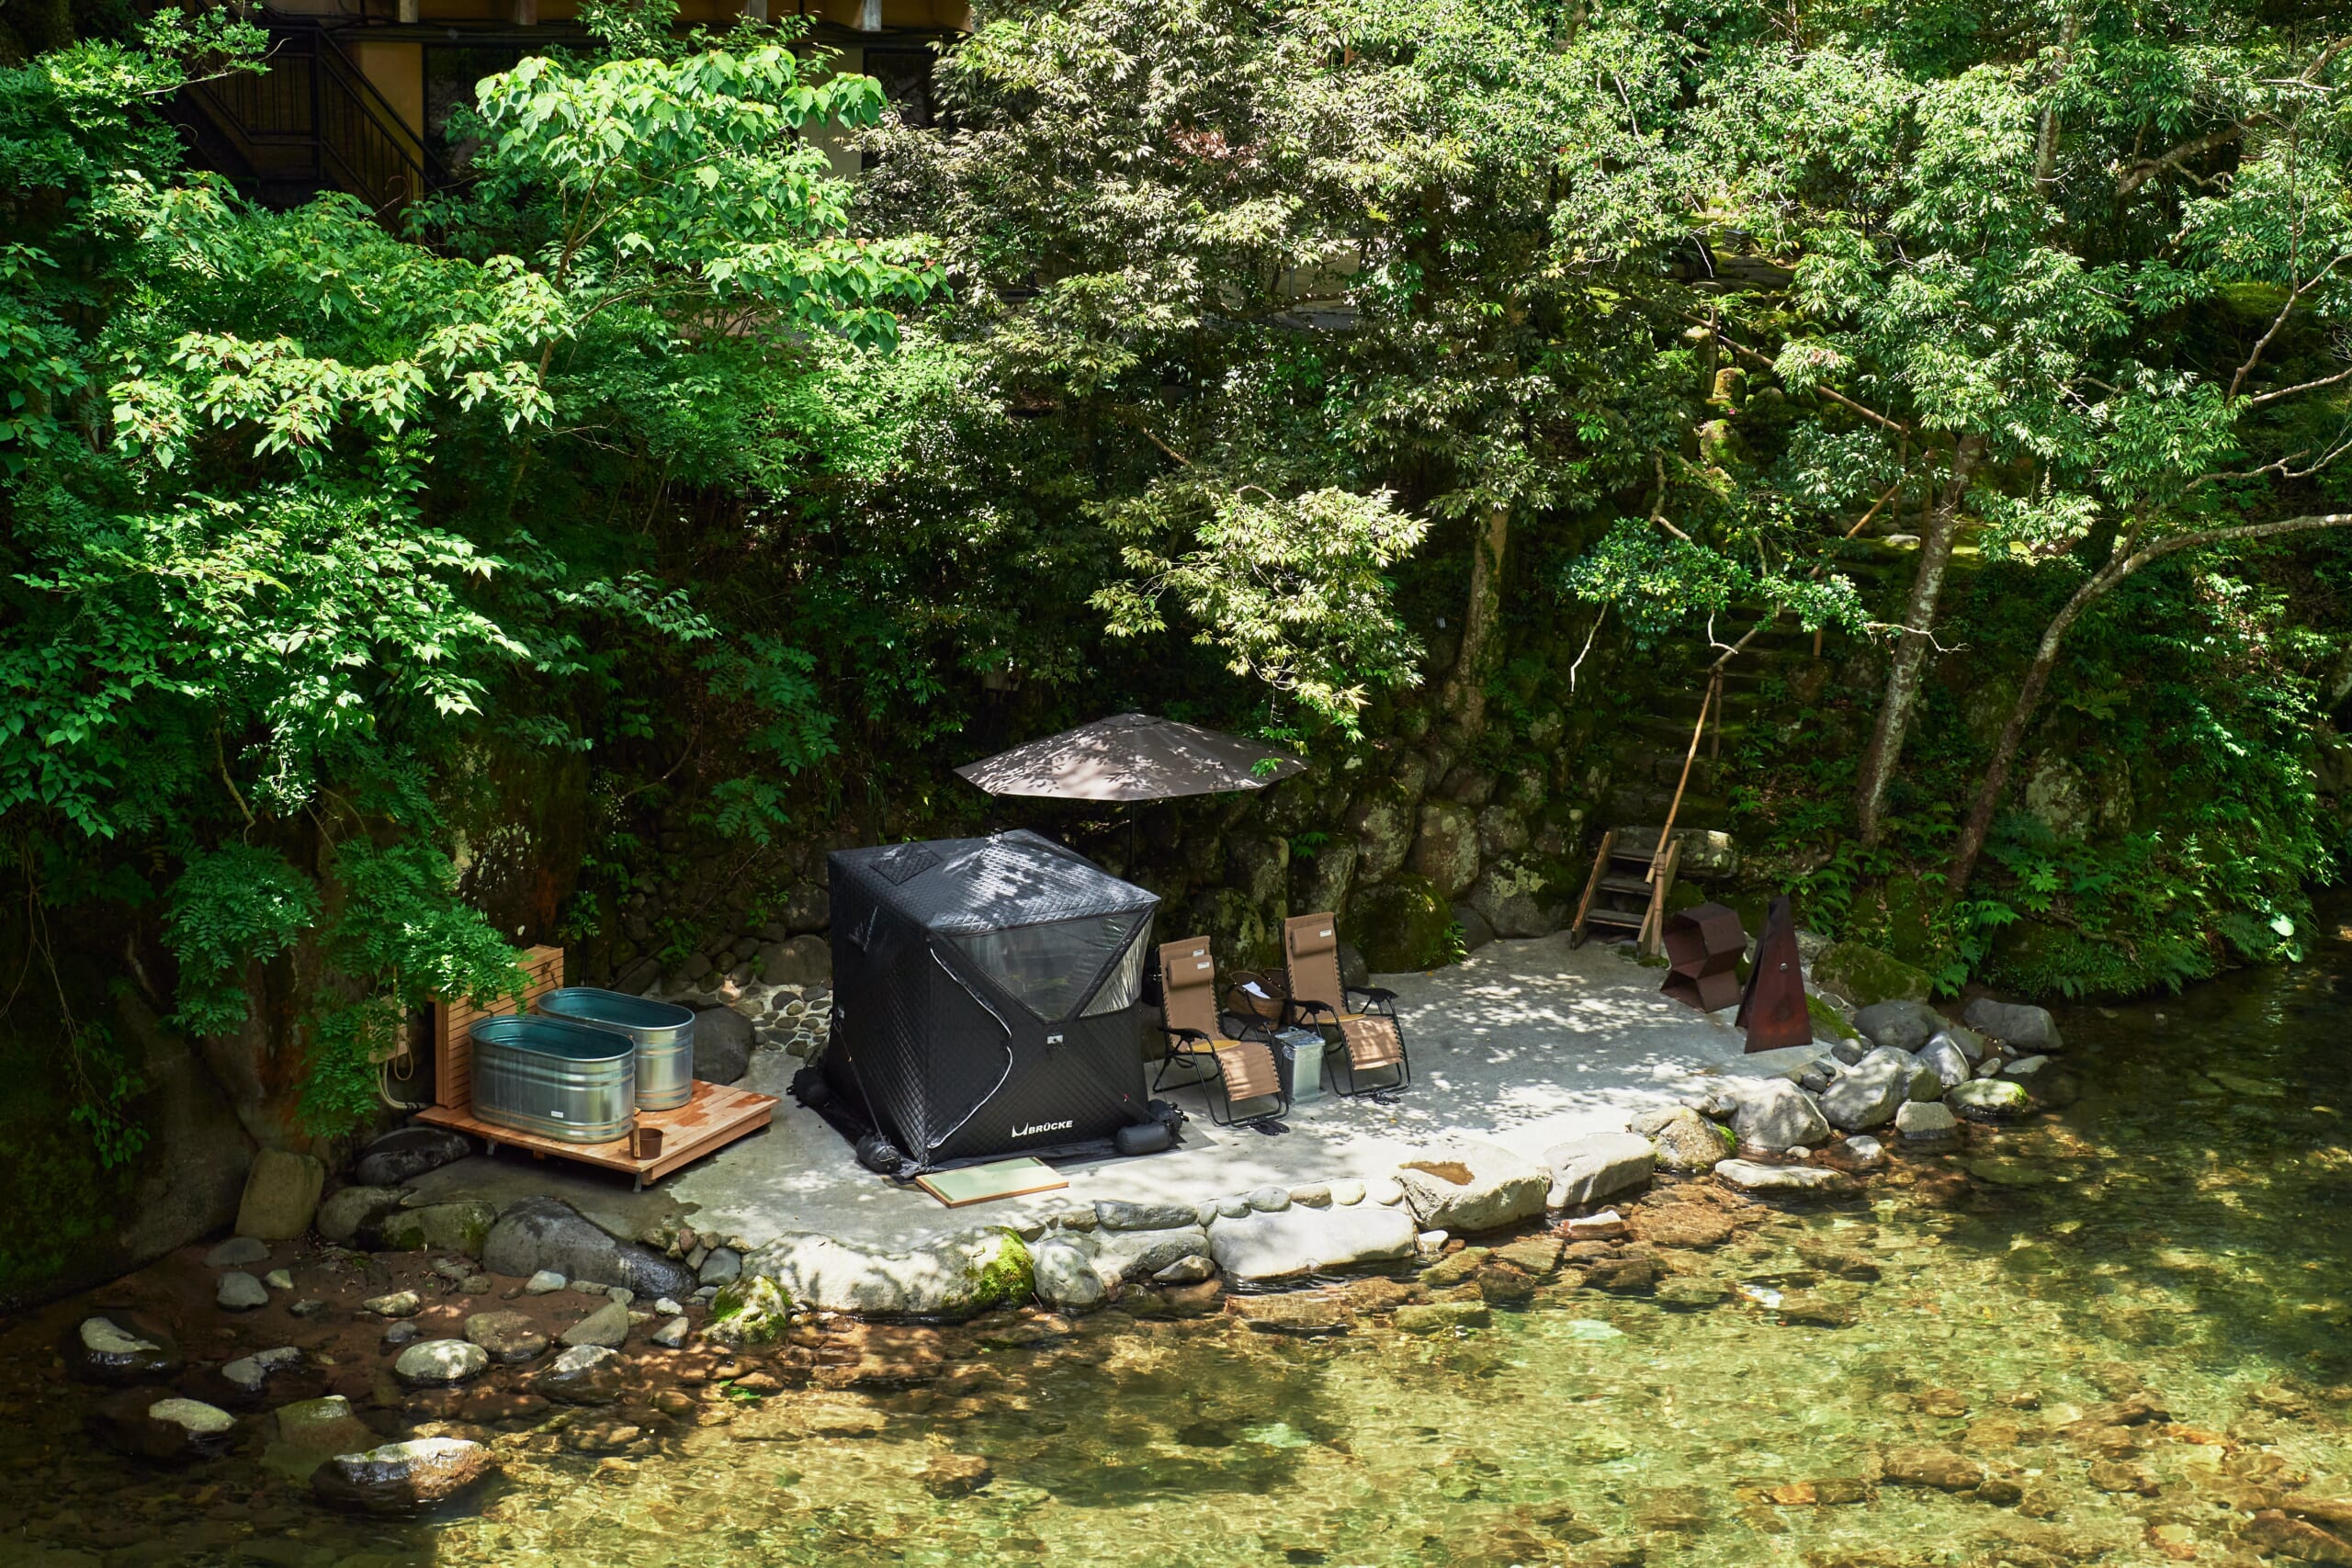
2108,1336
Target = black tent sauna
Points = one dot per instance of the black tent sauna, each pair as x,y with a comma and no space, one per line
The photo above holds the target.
983,991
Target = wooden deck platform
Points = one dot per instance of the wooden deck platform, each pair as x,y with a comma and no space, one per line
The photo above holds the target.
714,1118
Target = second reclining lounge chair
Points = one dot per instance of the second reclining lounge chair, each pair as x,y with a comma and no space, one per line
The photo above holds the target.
1371,1042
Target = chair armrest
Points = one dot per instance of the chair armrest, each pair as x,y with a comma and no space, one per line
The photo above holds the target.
1185,1039
1373,993
1308,1009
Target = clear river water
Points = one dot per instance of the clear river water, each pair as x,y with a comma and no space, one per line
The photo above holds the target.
2129,1327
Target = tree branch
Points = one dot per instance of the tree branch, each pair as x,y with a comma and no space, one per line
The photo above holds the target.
2147,169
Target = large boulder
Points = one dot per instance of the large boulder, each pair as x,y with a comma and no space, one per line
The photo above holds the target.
1863,974
1261,1245
606,1326
400,1478
1509,897
435,1363
349,1217
1404,924
950,1276
2021,1028
1774,1115
1382,831
1586,1170
722,1045
462,1225
281,1195
548,1232
1868,1093
1469,1187
1445,851
403,1155
1904,1025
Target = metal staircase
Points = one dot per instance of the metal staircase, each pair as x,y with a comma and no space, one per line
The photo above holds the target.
311,122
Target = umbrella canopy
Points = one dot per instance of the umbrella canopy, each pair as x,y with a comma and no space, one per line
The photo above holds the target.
1130,756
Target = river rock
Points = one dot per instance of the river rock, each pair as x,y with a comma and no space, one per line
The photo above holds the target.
1939,1468
1064,1271
1867,1094
403,1332
1964,1039
949,1275
1774,1114
300,1435
154,1423
1116,1216
1442,1318
247,1373
1270,1200
1469,1187
671,1336
2027,1070
586,1375
507,1335
121,1348
403,1155
2014,1024
400,1478
1922,1122
1865,1153
1586,1170
1186,1271
1687,1144
608,1325
237,1252
2274,1531
1989,1100
1748,1176
240,1292
435,1363
748,1311
1306,1241
722,1266
1943,1058
1120,1256
547,1233
399,1303
956,1475
1904,1025
281,1195
460,1225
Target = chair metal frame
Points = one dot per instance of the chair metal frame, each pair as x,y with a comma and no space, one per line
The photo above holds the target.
1190,1044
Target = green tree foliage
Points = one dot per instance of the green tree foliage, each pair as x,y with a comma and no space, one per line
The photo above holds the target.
294,510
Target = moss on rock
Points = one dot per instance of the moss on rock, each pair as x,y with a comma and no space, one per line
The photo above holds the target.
752,1310
1404,924
1002,1272
1864,975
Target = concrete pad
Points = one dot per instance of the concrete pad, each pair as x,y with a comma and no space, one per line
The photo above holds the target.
1527,1044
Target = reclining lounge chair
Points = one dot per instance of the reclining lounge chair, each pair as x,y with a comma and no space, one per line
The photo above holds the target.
1235,1070
1371,1042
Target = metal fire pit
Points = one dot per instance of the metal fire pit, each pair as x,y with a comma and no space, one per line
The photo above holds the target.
1703,945
1773,1012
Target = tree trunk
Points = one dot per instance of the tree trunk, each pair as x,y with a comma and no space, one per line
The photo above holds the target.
1911,648
1464,699
2005,751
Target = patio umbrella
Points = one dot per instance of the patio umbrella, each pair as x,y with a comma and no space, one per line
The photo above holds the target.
1131,756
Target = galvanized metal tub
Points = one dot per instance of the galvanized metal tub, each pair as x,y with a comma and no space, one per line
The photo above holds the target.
663,1032
560,1079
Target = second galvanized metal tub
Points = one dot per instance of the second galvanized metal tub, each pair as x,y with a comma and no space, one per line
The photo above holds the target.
662,1032
560,1079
